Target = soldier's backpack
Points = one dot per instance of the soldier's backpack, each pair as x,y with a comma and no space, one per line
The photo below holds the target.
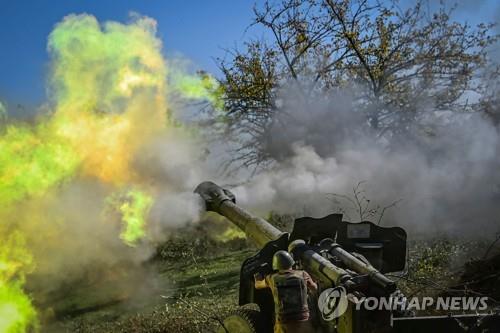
291,294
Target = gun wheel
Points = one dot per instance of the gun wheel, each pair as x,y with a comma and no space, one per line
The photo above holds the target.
242,321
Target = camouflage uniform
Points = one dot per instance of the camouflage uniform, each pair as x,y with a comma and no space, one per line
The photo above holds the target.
289,289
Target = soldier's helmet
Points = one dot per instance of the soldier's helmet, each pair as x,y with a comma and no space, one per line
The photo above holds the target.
282,260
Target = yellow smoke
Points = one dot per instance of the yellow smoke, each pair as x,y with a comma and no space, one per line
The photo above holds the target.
108,91
133,206
108,97
110,88
201,86
16,310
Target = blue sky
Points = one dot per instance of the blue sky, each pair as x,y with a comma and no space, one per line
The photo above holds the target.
197,29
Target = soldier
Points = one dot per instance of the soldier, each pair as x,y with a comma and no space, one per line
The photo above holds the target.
289,288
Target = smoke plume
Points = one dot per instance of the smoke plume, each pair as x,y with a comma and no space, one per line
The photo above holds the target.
89,187
441,176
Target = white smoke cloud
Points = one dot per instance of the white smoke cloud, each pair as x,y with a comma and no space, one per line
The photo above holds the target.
446,178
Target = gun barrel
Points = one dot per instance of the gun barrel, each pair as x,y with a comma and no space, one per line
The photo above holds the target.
222,201
364,268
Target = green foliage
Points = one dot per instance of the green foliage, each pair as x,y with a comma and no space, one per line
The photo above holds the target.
430,260
198,242
436,264
283,222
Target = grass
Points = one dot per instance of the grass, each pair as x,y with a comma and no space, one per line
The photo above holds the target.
193,290
190,294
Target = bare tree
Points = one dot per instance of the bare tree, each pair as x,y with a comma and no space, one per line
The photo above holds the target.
359,204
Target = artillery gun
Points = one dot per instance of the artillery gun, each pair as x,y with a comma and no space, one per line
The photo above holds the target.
347,260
